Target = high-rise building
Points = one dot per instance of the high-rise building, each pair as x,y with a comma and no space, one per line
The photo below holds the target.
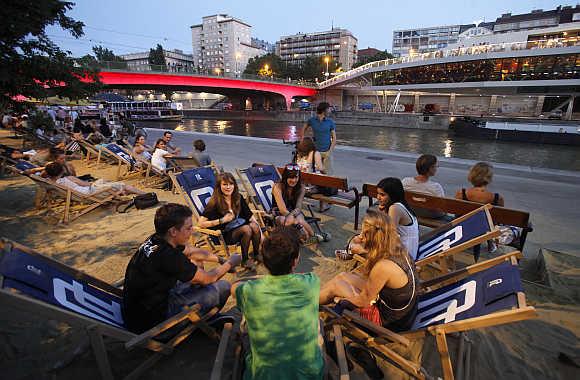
337,44
424,40
175,60
222,43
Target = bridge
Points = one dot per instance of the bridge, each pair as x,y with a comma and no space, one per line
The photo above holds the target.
537,69
266,90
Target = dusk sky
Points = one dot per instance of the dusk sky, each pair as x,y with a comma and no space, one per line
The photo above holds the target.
127,26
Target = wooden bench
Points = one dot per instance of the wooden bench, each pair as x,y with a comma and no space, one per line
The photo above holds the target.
458,207
347,196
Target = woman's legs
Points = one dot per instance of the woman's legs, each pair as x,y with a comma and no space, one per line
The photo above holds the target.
256,238
344,285
243,235
307,228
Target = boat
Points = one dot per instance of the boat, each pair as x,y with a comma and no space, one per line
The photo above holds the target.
155,110
515,130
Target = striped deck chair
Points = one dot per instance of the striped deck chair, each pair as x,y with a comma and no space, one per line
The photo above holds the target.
197,186
258,182
41,286
438,246
123,158
485,294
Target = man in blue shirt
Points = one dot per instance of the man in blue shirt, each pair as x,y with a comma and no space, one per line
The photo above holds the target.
324,132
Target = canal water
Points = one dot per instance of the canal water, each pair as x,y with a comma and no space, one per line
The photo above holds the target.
439,143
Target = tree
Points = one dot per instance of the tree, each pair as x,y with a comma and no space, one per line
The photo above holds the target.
157,57
257,66
380,56
30,63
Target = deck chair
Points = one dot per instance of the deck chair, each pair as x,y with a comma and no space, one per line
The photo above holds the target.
258,182
196,186
70,203
485,294
123,158
438,246
42,286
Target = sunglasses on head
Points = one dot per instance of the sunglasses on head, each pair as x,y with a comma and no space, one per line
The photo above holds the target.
293,167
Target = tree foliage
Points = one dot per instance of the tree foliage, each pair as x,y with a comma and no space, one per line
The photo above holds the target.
156,56
380,56
30,63
312,68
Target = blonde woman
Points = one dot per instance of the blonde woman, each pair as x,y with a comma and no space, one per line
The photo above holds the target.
385,290
480,175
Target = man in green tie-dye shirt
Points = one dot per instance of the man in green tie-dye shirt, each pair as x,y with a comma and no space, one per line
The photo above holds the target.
281,311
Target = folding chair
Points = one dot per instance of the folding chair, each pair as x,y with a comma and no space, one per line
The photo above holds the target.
123,158
41,286
196,186
258,182
485,294
438,246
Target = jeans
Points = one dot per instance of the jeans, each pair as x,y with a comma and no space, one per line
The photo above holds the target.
207,296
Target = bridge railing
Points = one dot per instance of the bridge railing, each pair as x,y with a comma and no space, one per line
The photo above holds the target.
463,51
148,68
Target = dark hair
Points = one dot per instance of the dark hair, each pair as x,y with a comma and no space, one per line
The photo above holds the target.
55,152
167,133
54,169
159,141
394,189
199,145
291,193
170,215
425,162
218,201
305,146
322,107
280,249
137,139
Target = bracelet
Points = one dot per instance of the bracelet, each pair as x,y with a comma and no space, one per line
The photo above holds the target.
219,221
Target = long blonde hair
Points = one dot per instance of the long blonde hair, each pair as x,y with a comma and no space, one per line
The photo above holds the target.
218,200
381,240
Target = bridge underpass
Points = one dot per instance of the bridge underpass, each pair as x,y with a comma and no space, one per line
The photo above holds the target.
241,92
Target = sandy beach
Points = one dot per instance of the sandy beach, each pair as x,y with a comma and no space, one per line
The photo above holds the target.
102,242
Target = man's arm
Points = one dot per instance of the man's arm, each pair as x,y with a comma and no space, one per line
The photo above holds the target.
203,277
198,254
332,139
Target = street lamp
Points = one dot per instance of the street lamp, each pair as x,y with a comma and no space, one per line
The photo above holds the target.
217,71
326,59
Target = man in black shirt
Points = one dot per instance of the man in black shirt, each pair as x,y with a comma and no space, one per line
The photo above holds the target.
166,273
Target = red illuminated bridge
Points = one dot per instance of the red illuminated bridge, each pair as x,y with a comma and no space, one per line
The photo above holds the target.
234,88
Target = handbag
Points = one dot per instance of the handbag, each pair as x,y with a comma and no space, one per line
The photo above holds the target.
237,222
140,202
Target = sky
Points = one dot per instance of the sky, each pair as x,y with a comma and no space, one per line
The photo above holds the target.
129,26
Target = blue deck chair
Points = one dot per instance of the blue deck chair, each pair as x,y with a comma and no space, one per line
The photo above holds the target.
42,286
485,294
258,182
197,187
122,158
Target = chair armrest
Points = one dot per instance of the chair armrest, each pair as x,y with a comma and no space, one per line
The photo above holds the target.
379,330
207,231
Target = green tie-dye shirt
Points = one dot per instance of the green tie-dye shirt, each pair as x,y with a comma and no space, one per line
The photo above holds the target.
282,318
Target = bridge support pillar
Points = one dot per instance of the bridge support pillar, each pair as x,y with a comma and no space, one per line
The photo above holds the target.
570,108
492,105
539,105
452,104
417,104
288,100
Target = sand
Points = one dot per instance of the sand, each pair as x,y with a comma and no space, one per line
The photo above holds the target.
102,242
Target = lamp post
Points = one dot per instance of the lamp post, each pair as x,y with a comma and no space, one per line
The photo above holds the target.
326,59
217,71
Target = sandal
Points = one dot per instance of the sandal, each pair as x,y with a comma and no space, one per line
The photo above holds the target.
343,254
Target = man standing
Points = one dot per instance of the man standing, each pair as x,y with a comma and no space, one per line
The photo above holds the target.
281,313
166,273
324,132
167,136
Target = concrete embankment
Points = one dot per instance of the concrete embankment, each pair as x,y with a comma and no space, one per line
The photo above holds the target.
550,196
412,121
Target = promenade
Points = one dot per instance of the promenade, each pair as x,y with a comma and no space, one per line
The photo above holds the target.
550,196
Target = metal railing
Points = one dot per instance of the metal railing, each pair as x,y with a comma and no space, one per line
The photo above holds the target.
148,68
463,51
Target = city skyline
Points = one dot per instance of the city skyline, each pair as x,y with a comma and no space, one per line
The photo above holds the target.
372,26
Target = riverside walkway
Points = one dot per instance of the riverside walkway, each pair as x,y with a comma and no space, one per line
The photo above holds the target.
550,196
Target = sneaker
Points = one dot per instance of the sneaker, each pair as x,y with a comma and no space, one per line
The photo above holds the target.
343,254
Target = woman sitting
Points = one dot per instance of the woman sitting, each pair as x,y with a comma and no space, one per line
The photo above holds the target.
287,197
140,148
307,157
55,173
160,155
200,154
480,176
228,212
385,292
391,201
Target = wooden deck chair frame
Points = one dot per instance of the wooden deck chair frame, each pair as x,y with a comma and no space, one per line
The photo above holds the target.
444,260
205,234
75,204
131,171
230,341
153,176
97,330
521,312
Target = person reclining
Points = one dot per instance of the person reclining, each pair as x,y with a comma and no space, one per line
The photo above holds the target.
166,273
56,173
281,312
385,292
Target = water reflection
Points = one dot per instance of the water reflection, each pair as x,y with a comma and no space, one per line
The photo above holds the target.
439,143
